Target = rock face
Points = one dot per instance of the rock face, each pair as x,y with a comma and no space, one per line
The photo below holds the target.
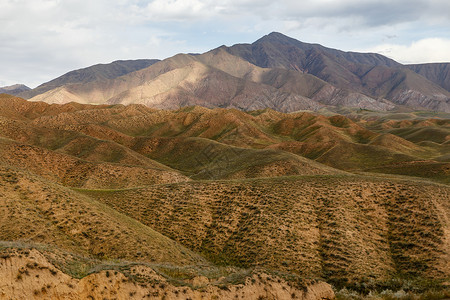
27,274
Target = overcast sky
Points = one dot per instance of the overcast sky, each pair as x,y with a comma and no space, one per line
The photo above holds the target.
43,39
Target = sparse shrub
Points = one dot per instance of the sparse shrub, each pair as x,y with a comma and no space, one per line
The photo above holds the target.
345,294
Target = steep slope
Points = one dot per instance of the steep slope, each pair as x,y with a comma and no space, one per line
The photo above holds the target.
198,84
213,79
290,81
101,91
89,74
276,50
181,81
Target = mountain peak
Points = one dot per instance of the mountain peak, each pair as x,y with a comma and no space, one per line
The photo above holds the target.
277,34
277,37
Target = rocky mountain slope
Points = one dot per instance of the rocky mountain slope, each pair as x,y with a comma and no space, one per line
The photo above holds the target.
371,74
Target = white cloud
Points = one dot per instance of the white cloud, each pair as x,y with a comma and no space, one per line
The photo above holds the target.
43,39
422,51
179,10
369,12
200,10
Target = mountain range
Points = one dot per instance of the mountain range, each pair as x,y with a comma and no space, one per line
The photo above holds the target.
274,72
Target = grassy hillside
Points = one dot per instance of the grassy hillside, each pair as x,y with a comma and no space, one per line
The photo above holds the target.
342,229
205,159
250,144
38,211
71,171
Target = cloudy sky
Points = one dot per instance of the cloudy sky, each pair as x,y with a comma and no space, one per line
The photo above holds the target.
43,39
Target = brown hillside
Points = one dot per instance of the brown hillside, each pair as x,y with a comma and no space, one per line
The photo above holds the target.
41,212
117,134
338,228
219,161
70,171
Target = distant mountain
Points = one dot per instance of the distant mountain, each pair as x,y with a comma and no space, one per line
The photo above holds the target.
14,89
371,74
438,73
276,50
93,73
213,79
274,72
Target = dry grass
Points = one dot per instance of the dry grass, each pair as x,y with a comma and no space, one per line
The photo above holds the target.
126,134
37,211
110,182
343,229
